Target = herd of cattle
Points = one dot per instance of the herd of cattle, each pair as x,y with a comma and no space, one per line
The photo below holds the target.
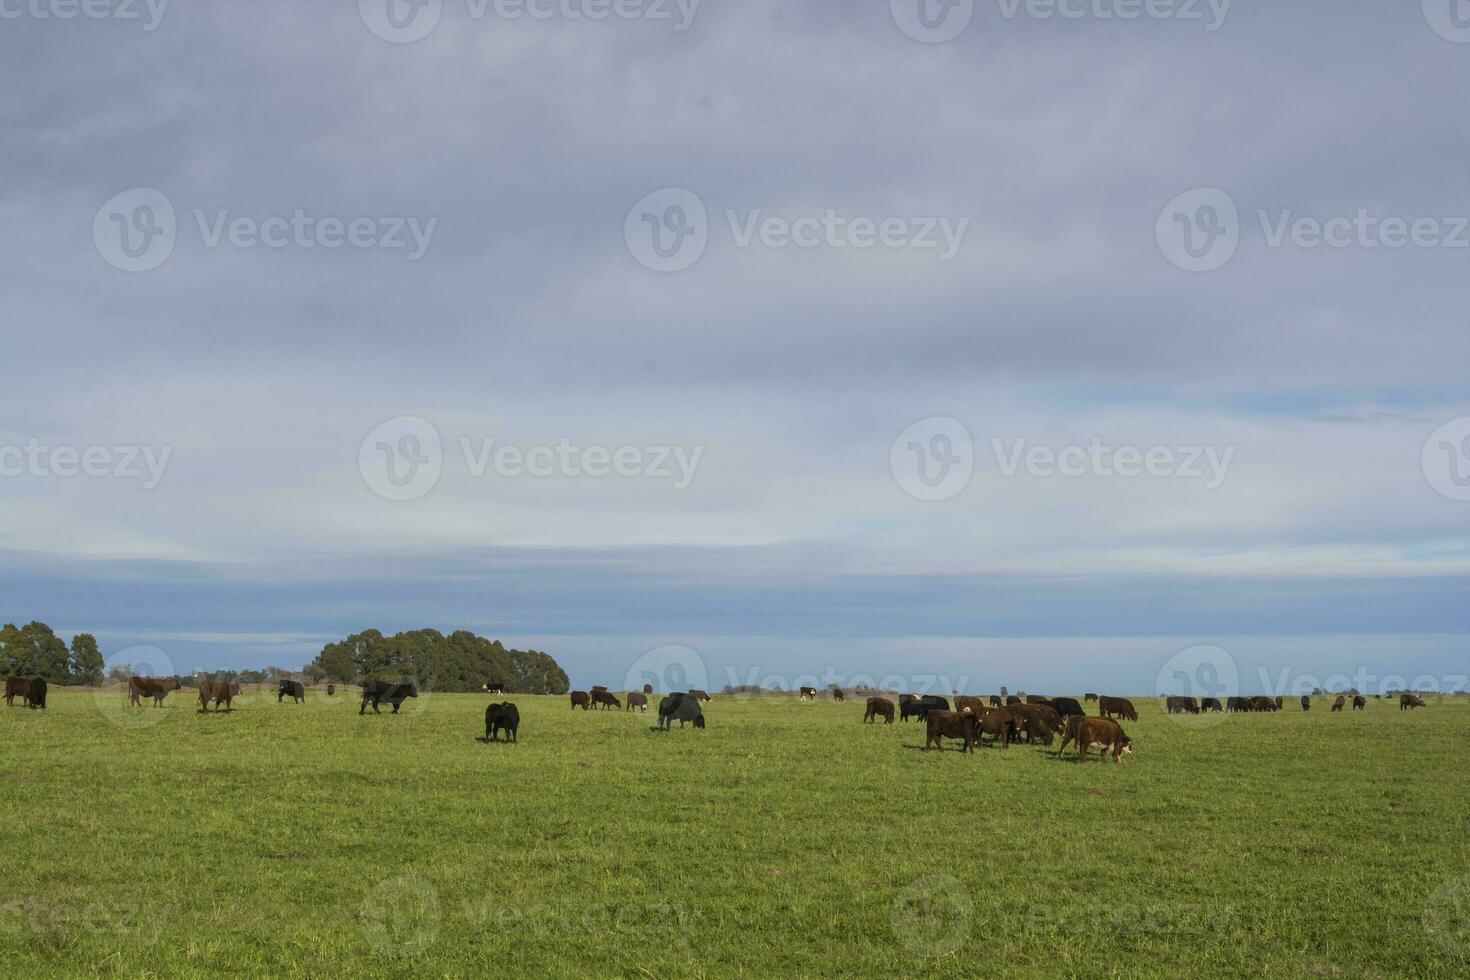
1034,718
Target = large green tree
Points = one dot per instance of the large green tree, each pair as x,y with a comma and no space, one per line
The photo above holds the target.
460,661
86,660
33,649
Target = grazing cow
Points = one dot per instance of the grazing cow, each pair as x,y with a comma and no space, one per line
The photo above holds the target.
1107,707
1067,706
951,724
295,689
837,694
1103,734
806,694
36,696
1237,704
995,701
1210,704
1037,699
964,702
1181,705
376,692
498,716
1410,701
1002,723
637,700
606,699
1039,722
879,708
1337,705
1263,704
1306,703
1012,699
1089,697
1360,703
151,687
695,692
218,692
16,687
493,687
684,707
580,699
1280,702
331,689
647,688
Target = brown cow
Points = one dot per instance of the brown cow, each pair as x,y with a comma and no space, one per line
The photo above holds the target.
879,708
1107,707
1037,720
331,689
1407,702
1003,723
837,694
1037,699
1337,705
1012,699
580,700
599,687
606,699
1096,733
695,692
637,700
951,724
17,686
995,701
964,702
141,687
217,691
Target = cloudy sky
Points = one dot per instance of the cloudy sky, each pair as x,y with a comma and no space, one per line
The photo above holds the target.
1008,343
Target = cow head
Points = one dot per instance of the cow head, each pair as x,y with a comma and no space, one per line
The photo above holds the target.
699,721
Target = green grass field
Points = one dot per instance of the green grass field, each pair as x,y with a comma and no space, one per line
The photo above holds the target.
787,839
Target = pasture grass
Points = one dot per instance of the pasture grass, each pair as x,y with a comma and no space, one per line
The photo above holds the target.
786,839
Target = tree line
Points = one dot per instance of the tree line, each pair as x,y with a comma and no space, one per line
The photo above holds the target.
460,661
34,650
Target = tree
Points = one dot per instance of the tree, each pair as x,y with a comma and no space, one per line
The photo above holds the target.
34,650
1003,691
460,661
120,673
86,660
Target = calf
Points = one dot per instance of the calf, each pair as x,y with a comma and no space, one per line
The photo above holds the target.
879,708
581,700
498,716
1107,707
684,707
295,689
1337,705
376,692
951,724
637,700
220,692
1103,734
37,693
605,699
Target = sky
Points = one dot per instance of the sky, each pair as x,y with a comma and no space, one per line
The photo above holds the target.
1050,345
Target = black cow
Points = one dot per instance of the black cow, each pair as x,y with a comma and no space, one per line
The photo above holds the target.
607,700
920,707
493,687
1360,703
1065,707
498,716
295,689
1211,704
684,707
37,693
377,692
1306,703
